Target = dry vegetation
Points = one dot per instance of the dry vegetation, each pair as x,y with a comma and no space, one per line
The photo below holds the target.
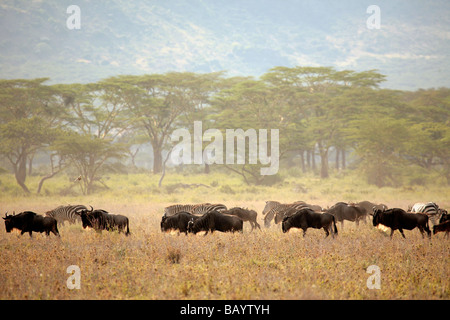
253,265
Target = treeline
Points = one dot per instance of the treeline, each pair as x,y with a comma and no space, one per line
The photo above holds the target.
316,109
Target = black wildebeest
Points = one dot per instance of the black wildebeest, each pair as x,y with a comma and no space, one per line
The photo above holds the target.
245,215
102,220
307,218
444,217
398,219
179,221
29,221
215,220
342,211
442,227
277,211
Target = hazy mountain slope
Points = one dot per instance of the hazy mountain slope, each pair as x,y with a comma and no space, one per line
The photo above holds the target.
243,37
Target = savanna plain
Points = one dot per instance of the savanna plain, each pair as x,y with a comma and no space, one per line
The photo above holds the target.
266,264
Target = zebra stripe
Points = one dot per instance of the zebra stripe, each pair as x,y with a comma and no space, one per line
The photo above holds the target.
66,213
174,209
431,209
198,209
282,210
269,206
207,207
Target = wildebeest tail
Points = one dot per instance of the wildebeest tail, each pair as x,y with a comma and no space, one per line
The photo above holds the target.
56,228
128,229
334,225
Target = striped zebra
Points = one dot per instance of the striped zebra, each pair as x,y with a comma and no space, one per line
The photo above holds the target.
66,213
174,209
431,209
198,209
277,210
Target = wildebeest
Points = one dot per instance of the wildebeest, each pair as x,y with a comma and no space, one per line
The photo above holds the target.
342,211
368,207
215,220
442,227
398,219
245,215
307,218
444,217
29,221
277,211
178,221
100,219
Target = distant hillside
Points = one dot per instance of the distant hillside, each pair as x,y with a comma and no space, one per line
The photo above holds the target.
243,37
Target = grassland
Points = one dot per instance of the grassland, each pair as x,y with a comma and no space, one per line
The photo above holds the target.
253,265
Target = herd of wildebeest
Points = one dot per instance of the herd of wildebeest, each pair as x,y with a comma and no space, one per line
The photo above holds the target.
207,217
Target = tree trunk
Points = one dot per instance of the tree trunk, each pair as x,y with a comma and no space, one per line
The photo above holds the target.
343,159
157,159
41,183
313,160
323,161
302,159
20,172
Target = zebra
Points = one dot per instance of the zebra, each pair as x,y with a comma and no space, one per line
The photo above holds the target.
431,209
203,208
277,210
198,209
66,213
174,209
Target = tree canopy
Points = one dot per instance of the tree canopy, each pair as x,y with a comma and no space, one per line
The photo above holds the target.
318,111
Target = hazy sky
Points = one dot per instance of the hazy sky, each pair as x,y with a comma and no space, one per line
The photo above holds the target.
409,41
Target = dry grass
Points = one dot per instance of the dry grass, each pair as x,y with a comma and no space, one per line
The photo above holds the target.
253,265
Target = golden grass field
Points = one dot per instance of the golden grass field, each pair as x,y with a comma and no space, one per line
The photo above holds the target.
263,264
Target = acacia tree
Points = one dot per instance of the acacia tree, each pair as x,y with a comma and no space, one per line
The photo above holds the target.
244,108
88,154
156,103
29,115
316,96
95,118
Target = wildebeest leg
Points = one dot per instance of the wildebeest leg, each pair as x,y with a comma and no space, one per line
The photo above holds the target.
428,231
257,225
421,232
392,232
304,232
401,231
326,231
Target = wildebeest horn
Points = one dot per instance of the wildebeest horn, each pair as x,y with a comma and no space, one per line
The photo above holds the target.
92,209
